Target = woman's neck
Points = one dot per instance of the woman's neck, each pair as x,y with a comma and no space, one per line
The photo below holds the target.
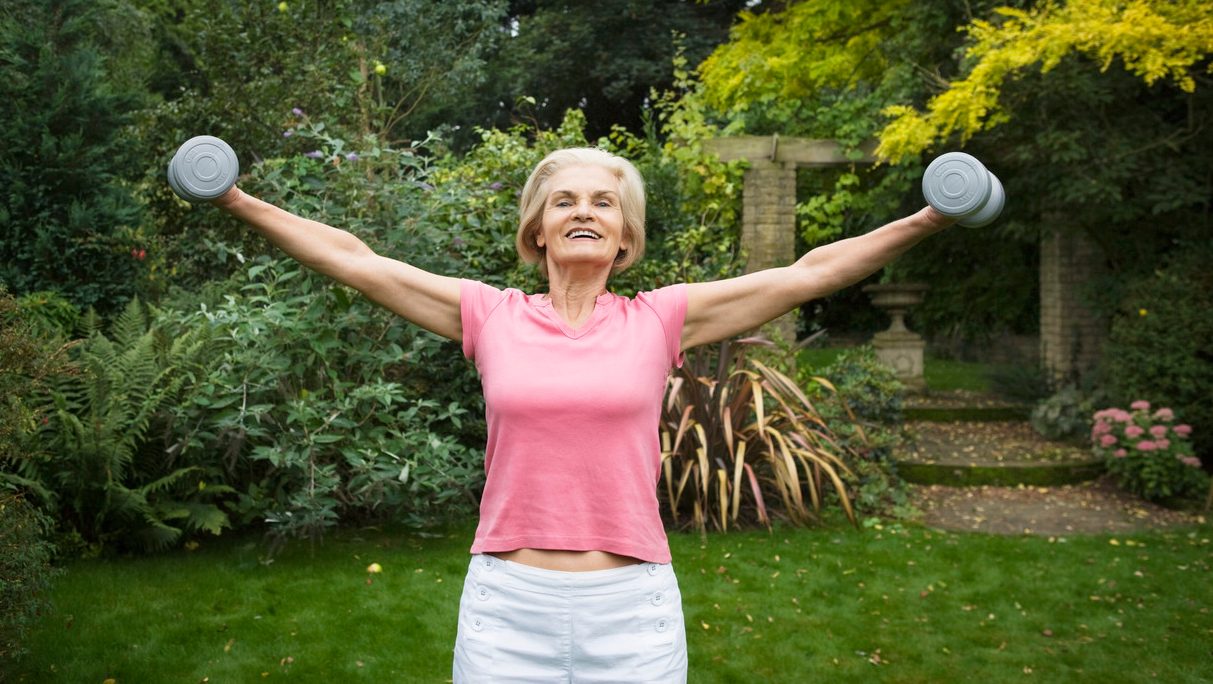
574,300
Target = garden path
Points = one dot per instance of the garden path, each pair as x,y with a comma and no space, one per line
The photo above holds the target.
968,433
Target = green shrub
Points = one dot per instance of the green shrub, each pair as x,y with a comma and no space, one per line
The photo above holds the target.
319,407
1065,416
869,388
1161,344
29,361
25,570
865,411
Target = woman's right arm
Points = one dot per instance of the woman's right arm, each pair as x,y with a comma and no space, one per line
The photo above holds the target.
428,300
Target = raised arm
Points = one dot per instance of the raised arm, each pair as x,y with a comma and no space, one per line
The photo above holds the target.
724,308
428,300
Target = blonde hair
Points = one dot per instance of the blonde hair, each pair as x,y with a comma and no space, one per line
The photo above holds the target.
535,192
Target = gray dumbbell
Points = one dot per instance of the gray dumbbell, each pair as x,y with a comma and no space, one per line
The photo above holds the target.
203,169
959,186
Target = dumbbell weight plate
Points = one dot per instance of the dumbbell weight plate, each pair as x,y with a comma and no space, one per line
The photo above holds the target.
956,184
203,169
992,208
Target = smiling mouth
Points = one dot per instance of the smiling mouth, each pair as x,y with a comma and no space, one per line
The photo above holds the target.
582,234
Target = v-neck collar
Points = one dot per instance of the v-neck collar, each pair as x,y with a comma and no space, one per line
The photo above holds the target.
601,309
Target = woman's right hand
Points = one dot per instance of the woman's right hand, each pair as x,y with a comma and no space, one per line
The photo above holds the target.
228,198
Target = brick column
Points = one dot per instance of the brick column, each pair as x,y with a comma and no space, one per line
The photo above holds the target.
768,221
1071,335
768,227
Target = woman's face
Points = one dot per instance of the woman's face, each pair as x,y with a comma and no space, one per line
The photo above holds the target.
582,221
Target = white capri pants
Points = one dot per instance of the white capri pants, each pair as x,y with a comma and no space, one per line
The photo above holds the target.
518,623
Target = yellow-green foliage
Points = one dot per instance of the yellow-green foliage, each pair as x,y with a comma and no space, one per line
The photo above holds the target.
792,54
1154,39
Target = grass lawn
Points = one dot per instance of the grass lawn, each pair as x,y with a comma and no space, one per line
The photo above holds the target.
898,604
941,375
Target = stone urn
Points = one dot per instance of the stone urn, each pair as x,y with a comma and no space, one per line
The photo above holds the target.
899,347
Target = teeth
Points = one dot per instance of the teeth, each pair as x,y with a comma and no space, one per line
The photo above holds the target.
583,233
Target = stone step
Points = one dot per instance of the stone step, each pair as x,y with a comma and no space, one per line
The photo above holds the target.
999,453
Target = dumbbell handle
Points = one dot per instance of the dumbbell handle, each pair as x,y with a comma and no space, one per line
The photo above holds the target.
959,186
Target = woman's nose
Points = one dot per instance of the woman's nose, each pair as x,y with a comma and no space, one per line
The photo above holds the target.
582,210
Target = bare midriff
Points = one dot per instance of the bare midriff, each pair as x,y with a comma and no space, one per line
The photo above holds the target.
567,561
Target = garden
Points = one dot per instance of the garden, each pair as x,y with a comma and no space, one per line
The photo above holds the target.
217,465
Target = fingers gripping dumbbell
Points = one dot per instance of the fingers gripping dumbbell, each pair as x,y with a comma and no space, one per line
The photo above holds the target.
959,186
203,169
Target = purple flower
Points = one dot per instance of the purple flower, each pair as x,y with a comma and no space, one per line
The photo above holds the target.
288,133
495,185
297,111
424,186
352,156
315,154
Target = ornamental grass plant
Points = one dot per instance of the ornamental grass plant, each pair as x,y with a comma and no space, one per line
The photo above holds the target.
1147,452
743,444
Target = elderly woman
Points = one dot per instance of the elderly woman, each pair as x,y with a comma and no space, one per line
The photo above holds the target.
570,577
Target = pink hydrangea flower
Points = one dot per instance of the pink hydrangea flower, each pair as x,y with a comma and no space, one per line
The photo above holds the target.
1164,414
1120,453
1163,443
1107,440
1134,431
1191,460
1101,428
1158,431
1183,430
1140,405
1146,445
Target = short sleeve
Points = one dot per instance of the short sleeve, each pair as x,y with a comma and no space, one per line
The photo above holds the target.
476,302
670,305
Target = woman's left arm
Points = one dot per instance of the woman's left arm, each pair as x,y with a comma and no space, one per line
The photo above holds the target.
724,308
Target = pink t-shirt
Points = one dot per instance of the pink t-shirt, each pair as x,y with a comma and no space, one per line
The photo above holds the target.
573,455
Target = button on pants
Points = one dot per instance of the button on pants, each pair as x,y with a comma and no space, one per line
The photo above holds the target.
523,624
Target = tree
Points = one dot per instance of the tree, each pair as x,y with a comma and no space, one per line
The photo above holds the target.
1156,40
1091,111
603,58
68,217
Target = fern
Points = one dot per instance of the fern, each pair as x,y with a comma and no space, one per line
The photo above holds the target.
102,417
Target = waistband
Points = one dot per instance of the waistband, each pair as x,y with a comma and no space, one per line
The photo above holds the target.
542,579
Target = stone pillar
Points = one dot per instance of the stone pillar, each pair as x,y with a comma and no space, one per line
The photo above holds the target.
768,227
1071,335
768,221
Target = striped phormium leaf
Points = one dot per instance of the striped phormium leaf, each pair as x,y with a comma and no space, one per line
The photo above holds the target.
742,444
